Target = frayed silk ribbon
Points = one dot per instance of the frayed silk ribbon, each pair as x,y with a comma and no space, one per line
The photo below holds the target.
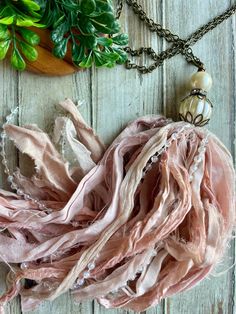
153,212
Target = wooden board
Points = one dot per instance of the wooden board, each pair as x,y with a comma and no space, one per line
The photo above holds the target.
113,97
47,64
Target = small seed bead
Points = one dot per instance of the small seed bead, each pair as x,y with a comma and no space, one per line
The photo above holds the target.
86,274
24,265
198,158
154,159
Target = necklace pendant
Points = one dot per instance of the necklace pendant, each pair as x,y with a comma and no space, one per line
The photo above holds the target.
197,108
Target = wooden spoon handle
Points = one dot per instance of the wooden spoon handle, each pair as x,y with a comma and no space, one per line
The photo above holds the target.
46,63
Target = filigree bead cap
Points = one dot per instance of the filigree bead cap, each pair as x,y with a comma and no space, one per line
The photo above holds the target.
196,108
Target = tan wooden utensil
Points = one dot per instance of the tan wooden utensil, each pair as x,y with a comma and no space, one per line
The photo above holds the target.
47,64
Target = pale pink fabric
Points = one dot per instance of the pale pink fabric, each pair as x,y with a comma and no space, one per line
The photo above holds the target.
150,239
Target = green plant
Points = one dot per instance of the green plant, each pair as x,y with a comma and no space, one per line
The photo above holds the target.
15,18
85,28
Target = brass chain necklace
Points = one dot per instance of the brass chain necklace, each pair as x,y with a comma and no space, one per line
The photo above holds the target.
179,46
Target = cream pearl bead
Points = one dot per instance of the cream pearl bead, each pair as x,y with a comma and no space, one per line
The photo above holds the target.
201,80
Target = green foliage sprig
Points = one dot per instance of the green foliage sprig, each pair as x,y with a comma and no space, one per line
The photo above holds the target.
17,16
87,29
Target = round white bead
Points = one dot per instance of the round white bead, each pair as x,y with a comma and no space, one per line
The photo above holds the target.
201,80
4,162
10,179
7,171
174,136
13,186
24,265
27,197
91,266
154,159
86,274
75,224
81,282
76,286
201,149
194,168
197,159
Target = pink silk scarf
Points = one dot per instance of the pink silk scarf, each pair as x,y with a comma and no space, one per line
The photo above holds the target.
153,212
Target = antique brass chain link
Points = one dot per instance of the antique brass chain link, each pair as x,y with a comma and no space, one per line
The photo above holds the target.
179,46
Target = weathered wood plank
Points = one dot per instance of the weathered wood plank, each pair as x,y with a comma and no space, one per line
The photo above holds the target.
117,96
233,144
8,101
64,304
214,295
38,106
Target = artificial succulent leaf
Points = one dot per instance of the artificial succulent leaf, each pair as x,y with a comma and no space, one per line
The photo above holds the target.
105,41
58,33
4,46
87,6
78,52
29,36
121,39
105,19
104,6
31,5
28,51
8,20
99,59
17,61
122,55
60,48
85,23
4,33
87,61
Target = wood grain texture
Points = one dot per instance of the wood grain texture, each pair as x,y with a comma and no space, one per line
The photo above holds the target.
215,294
47,64
114,97
9,100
